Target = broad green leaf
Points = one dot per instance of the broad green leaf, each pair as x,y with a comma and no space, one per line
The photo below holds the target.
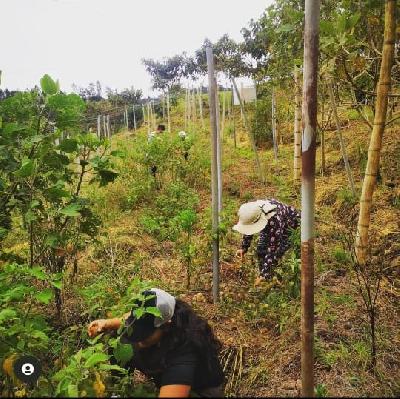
154,311
48,85
30,216
56,193
71,210
39,335
123,353
96,358
7,314
44,296
109,367
37,272
57,284
52,240
27,168
73,391
107,176
68,145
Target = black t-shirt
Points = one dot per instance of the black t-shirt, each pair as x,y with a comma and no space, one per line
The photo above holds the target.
182,365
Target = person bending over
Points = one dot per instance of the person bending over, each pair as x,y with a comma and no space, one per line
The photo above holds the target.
274,221
177,349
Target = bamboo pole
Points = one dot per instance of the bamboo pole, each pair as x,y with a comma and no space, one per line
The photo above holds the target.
375,145
186,109
323,158
214,174
108,126
297,126
342,145
252,140
310,79
144,115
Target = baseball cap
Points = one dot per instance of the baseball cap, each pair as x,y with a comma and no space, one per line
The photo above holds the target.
140,328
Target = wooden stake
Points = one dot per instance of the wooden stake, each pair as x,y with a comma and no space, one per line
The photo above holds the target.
273,117
219,149
201,107
251,136
168,113
297,126
310,101
134,117
214,174
98,126
341,141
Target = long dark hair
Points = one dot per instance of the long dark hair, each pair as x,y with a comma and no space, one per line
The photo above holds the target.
188,327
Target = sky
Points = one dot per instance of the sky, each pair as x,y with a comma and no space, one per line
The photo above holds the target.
81,41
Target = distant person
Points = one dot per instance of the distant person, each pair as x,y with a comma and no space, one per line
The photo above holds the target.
274,221
177,349
185,144
151,136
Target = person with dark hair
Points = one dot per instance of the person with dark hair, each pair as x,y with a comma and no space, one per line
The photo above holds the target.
274,221
176,348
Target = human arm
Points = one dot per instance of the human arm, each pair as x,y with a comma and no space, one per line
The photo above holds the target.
174,391
103,325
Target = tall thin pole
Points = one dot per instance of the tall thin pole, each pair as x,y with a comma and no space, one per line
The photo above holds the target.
148,119
108,127
186,109
375,145
134,117
310,79
252,140
219,149
273,120
341,141
144,115
223,113
214,174
297,126
168,114
104,127
201,107
98,126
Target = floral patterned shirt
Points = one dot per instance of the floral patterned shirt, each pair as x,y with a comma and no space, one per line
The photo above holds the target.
274,238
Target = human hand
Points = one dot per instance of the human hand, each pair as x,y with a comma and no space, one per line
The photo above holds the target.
96,327
240,254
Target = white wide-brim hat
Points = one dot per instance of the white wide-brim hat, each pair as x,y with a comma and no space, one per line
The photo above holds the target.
254,216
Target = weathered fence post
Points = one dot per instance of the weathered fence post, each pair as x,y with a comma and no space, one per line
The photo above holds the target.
214,172
310,79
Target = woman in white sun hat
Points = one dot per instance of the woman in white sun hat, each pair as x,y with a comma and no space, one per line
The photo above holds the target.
274,221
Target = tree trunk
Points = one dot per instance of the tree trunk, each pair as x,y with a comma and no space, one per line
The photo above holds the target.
342,145
375,145
310,101
297,126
